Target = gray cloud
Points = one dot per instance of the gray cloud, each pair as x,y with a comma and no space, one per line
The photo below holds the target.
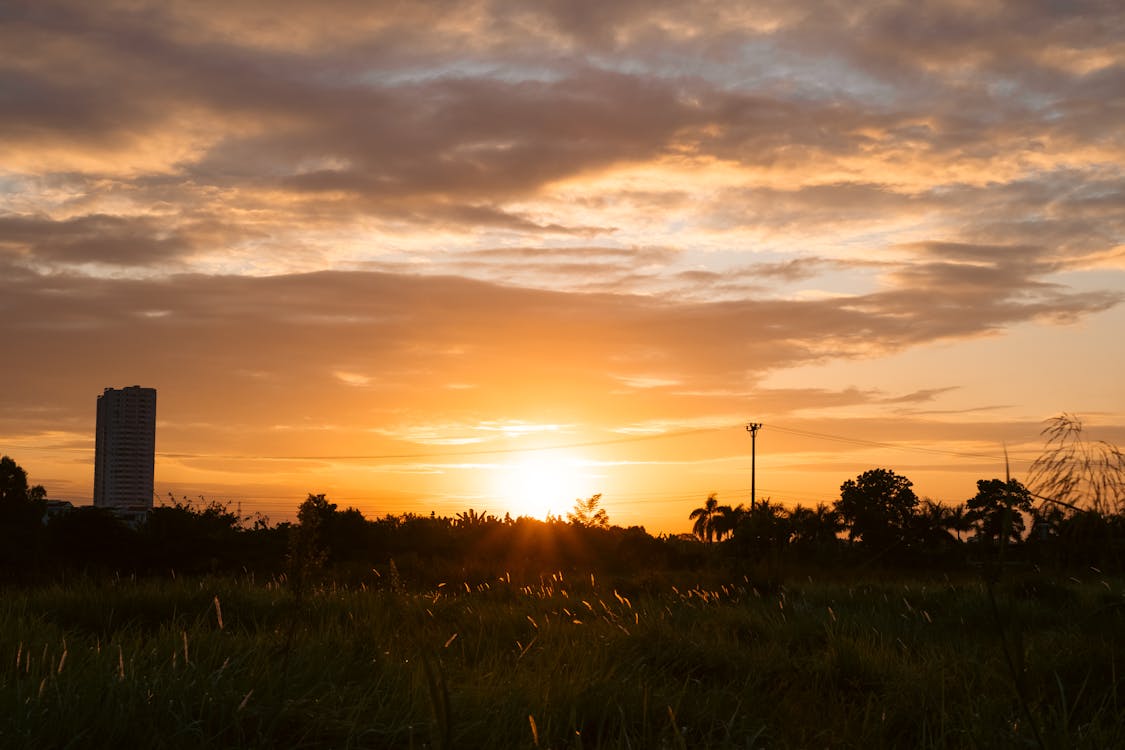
95,238
378,130
411,333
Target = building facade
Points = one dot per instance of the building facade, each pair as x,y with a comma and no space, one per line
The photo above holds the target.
125,448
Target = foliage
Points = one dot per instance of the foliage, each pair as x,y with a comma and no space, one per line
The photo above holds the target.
877,508
706,517
998,505
22,508
766,528
1075,472
815,528
933,522
90,537
727,519
1066,538
188,538
20,504
587,513
471,519
307,551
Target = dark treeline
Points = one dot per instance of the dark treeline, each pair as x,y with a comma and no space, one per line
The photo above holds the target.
877,522
185,538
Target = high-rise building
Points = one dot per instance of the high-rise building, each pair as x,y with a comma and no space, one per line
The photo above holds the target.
125,448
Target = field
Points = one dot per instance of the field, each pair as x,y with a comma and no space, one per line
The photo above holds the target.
564,662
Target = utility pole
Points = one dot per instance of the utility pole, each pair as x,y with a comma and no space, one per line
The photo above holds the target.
753,428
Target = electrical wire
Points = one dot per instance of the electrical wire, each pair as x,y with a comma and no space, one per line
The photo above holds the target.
586,444
627,499
448,454
879,444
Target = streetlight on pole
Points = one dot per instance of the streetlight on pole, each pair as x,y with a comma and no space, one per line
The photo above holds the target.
753,428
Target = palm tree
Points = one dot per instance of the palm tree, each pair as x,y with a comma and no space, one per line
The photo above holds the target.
815,527
957,521
726,519
768,525
933,522
704,518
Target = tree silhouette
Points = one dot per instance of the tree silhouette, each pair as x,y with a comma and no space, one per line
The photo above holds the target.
184,537
20,505
93,537
933,523
765,527
704,518
470,519
998,505
1083,537
815,528
877,507
21,519
727,519
958,521
587,513
307,552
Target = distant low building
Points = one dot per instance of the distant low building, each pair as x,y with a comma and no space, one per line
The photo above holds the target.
56,508
134,517
125,450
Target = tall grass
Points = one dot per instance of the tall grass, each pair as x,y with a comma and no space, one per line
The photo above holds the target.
560,663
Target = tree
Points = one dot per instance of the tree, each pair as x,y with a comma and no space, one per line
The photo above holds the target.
933,522
1077,473
20,505
998,505
307,553
470,519
815,528
704,518
877,507
189,537
92,536
347,536
587,513
957,520
763,528
727,519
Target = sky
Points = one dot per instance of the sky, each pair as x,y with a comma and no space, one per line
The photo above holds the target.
500,255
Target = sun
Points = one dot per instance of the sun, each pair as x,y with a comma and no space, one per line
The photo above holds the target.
542,484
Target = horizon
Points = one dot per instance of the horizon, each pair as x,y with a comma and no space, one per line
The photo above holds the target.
490,256
536,467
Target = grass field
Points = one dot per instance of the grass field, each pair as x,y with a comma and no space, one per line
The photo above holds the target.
564,663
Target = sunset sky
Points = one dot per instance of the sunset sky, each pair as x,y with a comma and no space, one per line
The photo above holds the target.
439,255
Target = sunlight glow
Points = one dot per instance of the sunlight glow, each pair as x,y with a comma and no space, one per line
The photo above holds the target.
544,483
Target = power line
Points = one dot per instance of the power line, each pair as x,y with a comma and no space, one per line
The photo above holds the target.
447,454
585,444
627,499
878,444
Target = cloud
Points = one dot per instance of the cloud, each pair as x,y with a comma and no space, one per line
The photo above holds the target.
340,120
411,335
921,396
97,239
